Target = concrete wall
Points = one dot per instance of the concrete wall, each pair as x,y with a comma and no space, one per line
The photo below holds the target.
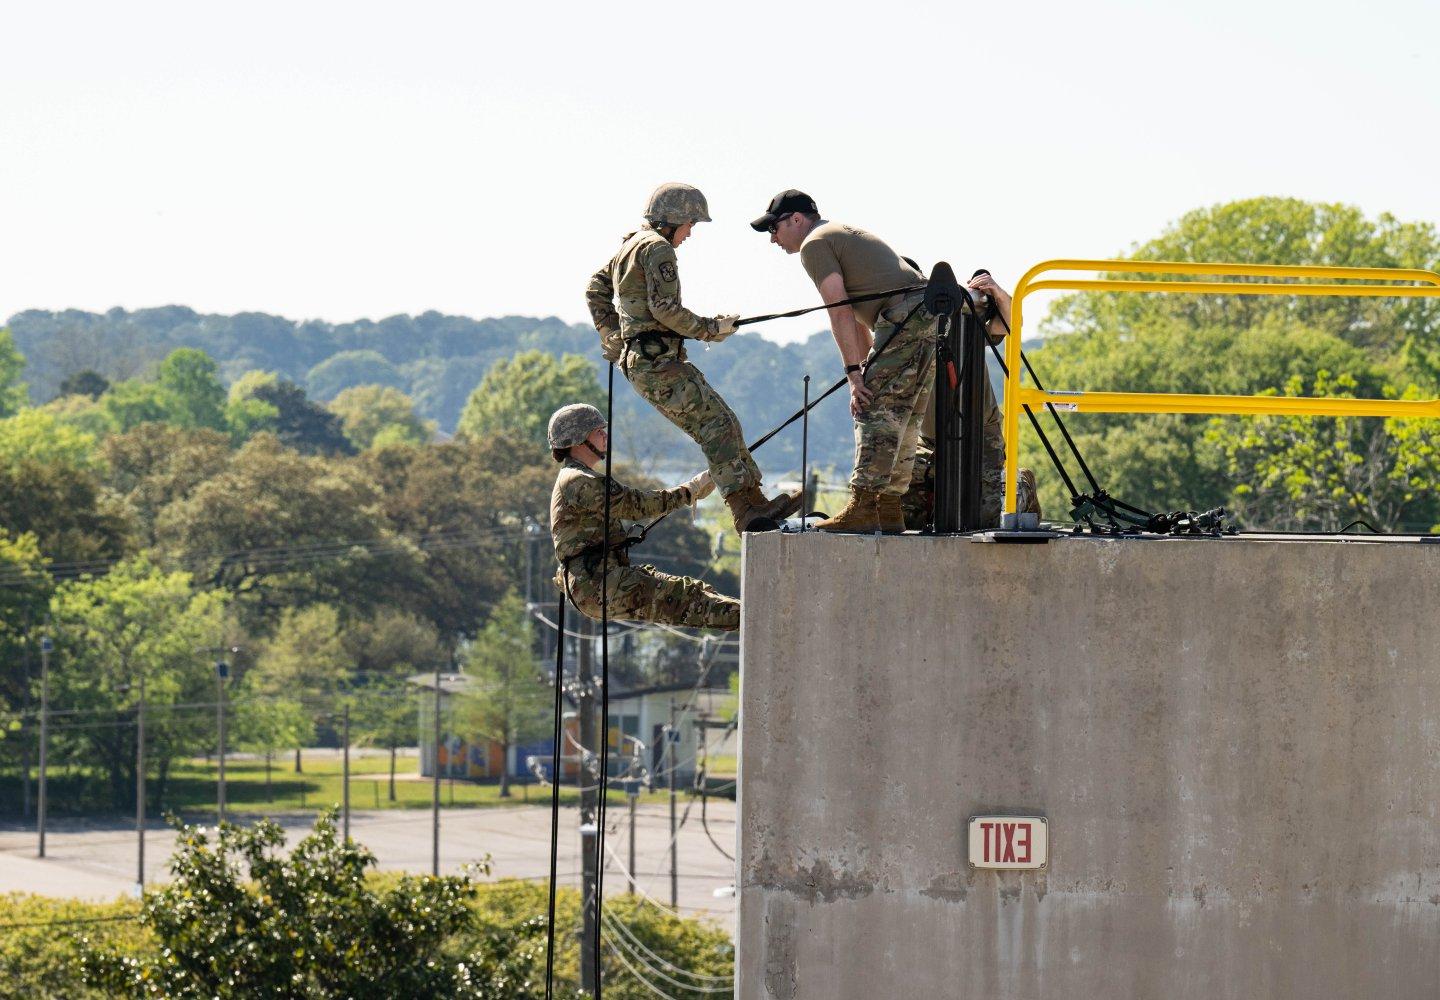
1236,744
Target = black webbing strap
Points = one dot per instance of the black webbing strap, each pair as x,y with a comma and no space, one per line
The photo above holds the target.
854,300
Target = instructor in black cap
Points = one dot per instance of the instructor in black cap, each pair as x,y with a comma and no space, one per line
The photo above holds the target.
889,371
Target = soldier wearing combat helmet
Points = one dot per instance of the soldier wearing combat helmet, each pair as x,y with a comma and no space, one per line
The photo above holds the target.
578,441
635,303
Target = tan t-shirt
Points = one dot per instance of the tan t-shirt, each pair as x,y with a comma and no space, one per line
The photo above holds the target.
864,261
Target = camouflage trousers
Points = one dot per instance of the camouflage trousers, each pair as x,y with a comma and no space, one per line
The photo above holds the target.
644,594
888,430
679,391
919,500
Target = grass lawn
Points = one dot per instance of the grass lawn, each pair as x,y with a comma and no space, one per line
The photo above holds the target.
192,786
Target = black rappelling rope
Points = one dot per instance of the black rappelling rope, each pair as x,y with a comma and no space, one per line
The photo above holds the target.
555,800
604,691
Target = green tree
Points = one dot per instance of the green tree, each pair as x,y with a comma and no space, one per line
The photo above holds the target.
155,465
267,722
110,632
1320,473
25,590
194,396
305,660
518,395
86,382
13,392
66,509
1230,344
507,701
386,651
39,435
261,401
280,530
134,402
376,416
241,919
462,506
349,369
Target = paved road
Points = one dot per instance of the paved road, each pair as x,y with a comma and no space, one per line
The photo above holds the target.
94,861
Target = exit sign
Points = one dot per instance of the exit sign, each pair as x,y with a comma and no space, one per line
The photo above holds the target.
1009,842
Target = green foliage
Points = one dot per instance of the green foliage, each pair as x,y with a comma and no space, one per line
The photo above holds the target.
41,948
518,395
134,402
1319,473
349,369
508,701
40,436
1248,345
242,920
194,395
86,382
386,650
155,465
65,508
304,662
135,622
462,506
13,392
25,589
377,416
262,402
281,529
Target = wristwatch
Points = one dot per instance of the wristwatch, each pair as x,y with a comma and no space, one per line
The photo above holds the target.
853,368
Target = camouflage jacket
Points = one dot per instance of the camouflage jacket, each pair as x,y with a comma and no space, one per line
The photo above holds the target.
577,508
645,279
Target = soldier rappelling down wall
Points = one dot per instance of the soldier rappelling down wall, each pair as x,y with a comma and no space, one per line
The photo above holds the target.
646,337
578,440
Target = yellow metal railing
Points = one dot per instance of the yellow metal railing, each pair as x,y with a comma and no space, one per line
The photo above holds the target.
1321,281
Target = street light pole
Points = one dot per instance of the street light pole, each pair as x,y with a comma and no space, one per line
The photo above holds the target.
345,771
140,789
45,646
222,671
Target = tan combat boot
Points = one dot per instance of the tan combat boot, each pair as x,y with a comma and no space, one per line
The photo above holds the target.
892,515
860,515
749,505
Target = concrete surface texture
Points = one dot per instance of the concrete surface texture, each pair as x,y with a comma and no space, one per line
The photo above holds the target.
1235,743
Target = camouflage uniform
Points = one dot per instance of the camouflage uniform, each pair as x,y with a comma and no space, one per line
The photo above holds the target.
636,593
899,373
646,337
918,502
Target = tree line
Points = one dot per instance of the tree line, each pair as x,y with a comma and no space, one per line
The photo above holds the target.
154,525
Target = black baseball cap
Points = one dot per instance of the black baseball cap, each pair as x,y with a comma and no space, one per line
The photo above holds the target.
784,203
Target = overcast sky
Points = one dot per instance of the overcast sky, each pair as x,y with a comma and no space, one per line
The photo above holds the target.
347,160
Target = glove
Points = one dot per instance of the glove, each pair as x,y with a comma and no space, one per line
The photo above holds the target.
700,487
728,323
611,345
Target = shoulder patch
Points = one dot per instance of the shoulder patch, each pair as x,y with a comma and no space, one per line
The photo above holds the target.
667,270
616,489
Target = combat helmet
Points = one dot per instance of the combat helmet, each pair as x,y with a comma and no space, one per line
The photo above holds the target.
675,204
572,424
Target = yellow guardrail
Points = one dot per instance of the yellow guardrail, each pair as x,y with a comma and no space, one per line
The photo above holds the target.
1317,281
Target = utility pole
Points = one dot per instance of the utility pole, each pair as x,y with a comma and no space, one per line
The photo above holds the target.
140,789
671,736
632,792
345,772
589,799
222,671
435,782
45,646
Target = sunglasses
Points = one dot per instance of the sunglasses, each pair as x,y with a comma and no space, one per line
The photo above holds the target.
776,224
